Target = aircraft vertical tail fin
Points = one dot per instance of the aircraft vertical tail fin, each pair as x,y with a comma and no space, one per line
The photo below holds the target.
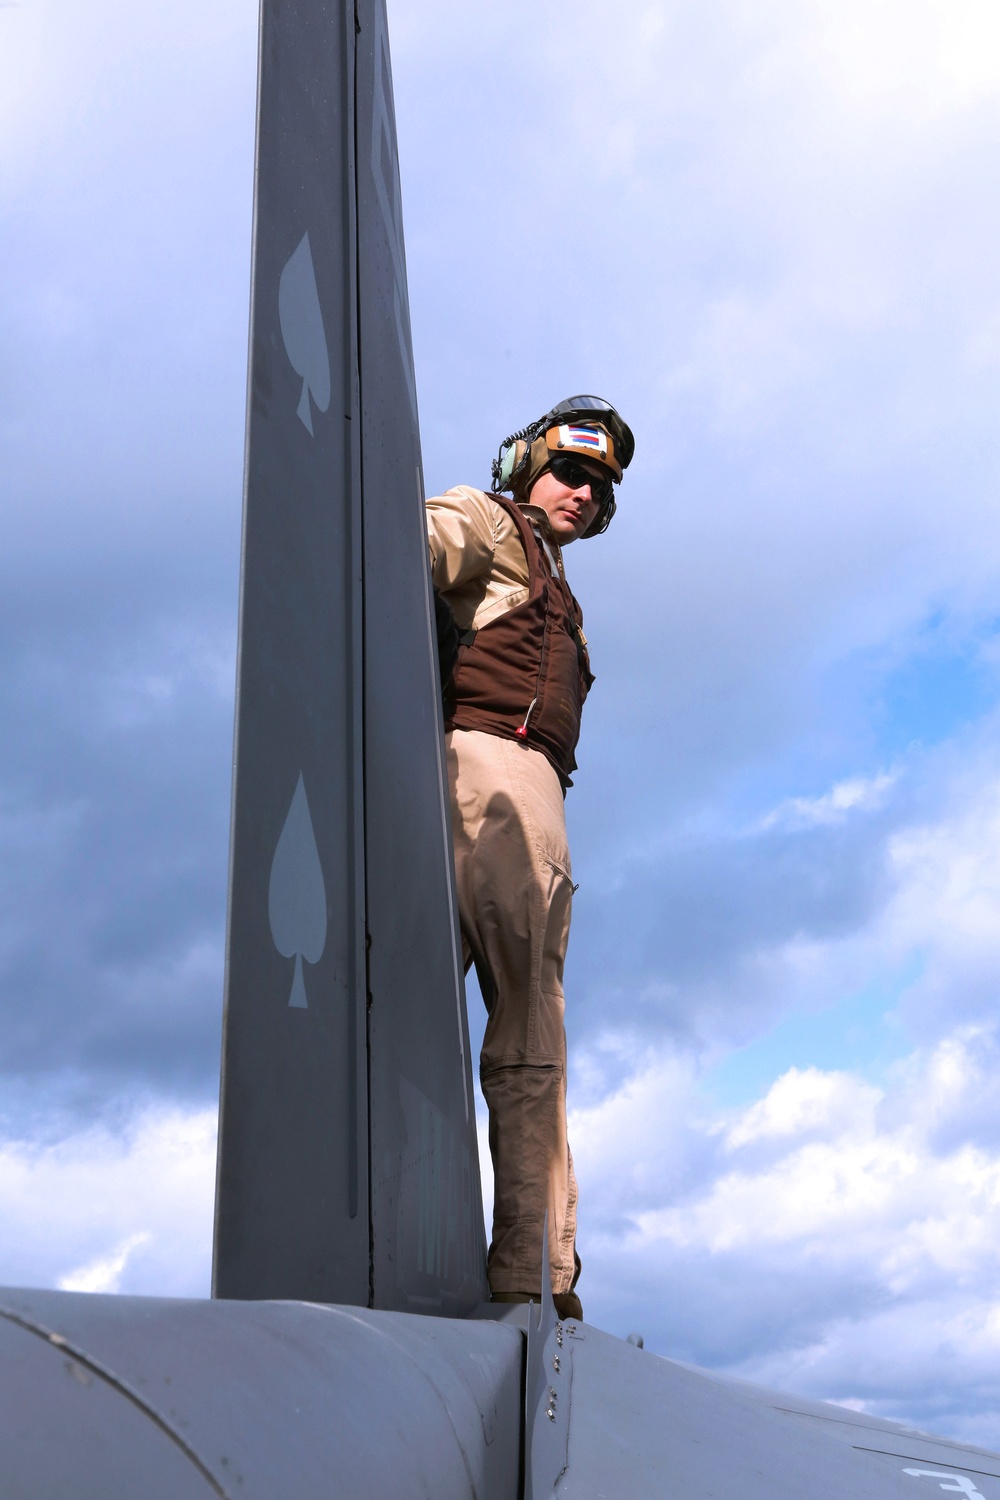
348,1169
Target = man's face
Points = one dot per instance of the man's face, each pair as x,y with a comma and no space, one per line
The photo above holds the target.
570,508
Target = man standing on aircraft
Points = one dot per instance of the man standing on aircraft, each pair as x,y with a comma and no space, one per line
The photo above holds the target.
512,720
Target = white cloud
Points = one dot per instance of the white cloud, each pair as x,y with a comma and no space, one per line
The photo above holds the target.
113,1210
802,1100
105,1273
859,793
836,1225
837,1185
859,1216
949,874
909,63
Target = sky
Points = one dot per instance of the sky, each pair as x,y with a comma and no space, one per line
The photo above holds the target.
769,234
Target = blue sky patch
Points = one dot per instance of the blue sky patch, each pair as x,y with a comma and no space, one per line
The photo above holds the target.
862,1034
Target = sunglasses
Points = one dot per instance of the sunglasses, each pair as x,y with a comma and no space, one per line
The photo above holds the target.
575,475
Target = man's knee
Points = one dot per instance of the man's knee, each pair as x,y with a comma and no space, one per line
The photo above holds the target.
527,1104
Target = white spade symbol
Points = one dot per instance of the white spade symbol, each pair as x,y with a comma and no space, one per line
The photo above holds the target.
296,899
302,329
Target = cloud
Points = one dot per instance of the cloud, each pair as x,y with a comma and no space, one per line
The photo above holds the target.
836,1233
113,1209
801,1103
883,886
789,274
711,929
947,905
833,806
113,833
819,1219
105,1273
125,175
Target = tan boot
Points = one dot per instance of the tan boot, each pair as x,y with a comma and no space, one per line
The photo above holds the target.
568,1305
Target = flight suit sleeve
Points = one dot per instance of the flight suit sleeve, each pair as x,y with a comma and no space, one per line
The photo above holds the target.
461,533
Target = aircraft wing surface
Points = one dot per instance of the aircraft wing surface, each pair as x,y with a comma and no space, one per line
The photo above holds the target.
631,1423
163,1399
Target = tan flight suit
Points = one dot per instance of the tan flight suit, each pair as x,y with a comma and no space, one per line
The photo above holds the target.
515,894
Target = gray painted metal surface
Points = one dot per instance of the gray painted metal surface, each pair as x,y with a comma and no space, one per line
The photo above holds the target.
548,1387
428,1242
643,1426
348,1169
129,1398
292,1212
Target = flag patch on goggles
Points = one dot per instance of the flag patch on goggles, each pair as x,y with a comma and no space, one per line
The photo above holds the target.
590,439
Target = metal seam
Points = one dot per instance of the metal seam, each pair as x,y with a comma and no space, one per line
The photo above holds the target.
59,1342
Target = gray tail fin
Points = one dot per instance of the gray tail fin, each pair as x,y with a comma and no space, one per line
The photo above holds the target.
348,1169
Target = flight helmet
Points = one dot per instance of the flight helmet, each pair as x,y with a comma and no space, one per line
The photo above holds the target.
584,425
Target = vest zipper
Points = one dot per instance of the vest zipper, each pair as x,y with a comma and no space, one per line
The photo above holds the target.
521,732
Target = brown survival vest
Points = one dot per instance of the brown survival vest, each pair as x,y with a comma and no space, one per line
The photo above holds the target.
525,675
